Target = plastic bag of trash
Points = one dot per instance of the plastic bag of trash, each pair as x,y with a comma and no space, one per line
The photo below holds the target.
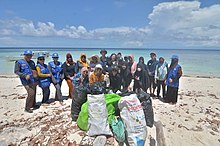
134,120
98,88
118,129
110,100
80,97
146,103
98,116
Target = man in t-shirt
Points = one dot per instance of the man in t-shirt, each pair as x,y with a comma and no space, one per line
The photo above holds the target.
151,65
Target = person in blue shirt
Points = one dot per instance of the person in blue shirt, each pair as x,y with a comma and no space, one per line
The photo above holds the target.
44,78
56,69
172,81
25,69
151,66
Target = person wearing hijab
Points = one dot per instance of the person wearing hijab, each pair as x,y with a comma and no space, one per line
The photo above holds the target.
115,79
172,81
96,75
69,70
82,62
126,76
141,60
141,78
132,64
160,76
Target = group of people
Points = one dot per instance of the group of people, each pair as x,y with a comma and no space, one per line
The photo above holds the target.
121,73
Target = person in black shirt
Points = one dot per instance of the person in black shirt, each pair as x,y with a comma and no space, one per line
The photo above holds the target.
115,79
69,70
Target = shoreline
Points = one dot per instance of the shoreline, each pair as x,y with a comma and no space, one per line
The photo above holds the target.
187,76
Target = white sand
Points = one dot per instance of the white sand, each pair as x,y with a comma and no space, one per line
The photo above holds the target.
193,121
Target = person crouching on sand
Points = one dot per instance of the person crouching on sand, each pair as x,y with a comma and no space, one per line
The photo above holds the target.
96,75
25,69
44,78
172,81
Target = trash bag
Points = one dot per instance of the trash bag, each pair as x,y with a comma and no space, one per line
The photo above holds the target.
146,104
98,116
80,97
110,100
134,120
118,130
98,88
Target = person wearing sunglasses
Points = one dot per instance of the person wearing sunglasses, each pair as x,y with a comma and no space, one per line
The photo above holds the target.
44,77
24,69
56,70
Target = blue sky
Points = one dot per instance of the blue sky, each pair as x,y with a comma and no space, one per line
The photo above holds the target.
110,23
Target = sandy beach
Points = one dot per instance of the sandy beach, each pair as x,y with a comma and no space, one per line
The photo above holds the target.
193,121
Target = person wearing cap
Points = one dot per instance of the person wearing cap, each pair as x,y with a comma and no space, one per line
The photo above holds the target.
115,79
25,69
96,75
82,62
44,77
172,81
56,69
151,65
69,70
160,76
103,58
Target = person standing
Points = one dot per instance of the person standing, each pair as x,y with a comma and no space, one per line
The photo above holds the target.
56,69
103,58
44,77
151,65
82,62
172,81
115,79
69,70
25,69
160,76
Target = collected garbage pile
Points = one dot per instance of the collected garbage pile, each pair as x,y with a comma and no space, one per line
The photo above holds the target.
124,116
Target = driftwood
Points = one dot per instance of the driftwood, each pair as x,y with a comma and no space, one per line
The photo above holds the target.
159,134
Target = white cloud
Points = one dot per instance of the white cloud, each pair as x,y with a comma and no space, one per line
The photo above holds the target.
181,23
186,22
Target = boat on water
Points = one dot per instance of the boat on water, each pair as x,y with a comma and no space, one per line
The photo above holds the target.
35,54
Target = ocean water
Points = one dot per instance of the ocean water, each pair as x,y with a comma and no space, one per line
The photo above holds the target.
193,62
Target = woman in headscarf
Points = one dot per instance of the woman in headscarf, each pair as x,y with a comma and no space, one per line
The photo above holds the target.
141,78
172,81
82,62
126,76
132,64
69,70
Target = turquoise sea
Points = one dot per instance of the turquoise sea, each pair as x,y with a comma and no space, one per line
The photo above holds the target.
194,62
